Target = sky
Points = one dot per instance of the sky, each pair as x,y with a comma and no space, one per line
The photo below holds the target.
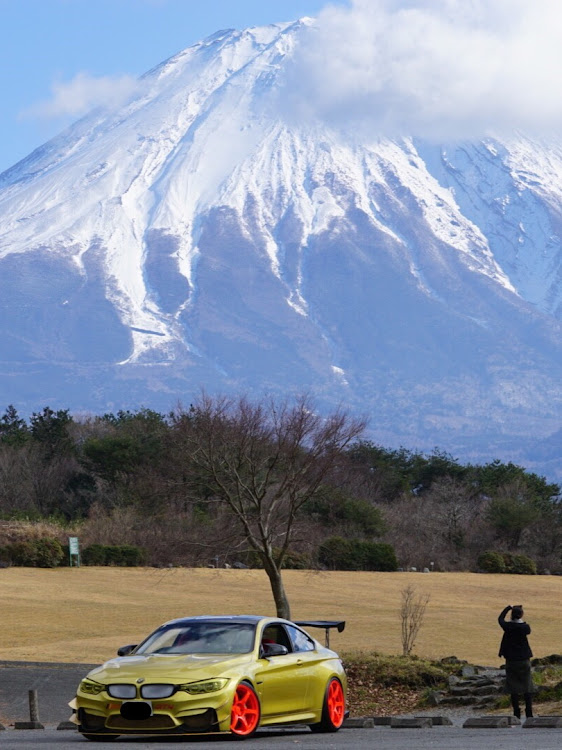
439,69
55,50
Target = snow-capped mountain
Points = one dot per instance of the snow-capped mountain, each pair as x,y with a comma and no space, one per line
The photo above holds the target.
194,237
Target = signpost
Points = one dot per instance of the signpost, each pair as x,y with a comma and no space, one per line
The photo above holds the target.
74,551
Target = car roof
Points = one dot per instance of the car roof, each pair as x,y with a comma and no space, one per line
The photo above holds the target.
242,619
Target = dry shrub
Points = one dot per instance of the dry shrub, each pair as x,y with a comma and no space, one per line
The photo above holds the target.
18,531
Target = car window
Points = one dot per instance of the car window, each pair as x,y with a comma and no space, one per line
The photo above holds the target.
276,633
300,641
200,638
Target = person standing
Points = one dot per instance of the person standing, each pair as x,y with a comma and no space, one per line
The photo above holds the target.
517,653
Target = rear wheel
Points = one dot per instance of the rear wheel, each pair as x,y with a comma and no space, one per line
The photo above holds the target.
245,713
333,709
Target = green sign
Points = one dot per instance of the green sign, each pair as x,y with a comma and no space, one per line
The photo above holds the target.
73,551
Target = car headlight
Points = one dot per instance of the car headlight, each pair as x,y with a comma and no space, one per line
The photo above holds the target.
91,687
205,686
157,691
122,691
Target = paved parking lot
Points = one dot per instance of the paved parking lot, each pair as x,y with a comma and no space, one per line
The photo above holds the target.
56,684
380,738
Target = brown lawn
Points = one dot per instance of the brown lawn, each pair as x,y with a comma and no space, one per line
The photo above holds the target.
84,614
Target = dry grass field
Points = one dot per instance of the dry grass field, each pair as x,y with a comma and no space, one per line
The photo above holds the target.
84,614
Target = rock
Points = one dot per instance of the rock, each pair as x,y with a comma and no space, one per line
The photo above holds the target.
358,722
435,697
419,723
438,721
543,722
487,722
453,660
460,690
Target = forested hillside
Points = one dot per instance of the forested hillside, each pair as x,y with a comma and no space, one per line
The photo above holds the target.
188,488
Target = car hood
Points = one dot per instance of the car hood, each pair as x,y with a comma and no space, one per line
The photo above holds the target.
167,667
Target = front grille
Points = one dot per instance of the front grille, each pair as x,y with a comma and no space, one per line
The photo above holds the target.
158,721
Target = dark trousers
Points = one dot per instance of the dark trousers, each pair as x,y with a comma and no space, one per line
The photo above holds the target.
528,704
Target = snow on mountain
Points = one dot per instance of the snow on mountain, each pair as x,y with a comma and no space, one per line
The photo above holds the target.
193,236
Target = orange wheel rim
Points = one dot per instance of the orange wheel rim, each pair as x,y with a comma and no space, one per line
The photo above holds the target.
336,703
245,711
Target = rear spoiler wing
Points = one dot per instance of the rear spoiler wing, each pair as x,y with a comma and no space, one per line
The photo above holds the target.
326,625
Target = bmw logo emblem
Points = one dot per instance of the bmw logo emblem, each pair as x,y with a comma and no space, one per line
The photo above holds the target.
141,679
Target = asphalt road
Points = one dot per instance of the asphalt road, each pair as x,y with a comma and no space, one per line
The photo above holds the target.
56,684
379,738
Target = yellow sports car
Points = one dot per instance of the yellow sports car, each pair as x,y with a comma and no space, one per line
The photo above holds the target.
215,674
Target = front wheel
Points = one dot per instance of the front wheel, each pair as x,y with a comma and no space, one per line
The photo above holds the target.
333,709
245,713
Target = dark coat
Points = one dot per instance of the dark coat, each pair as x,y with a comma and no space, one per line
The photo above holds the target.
514,645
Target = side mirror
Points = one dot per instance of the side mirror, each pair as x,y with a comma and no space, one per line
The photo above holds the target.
273,649
126,650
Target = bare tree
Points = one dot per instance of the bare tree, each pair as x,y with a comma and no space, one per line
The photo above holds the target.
412,612
263,462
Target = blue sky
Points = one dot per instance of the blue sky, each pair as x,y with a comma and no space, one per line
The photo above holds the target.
442,69
50,42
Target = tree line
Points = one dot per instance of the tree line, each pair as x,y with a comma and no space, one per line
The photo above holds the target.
270,483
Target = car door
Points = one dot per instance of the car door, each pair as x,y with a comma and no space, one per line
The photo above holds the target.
283,680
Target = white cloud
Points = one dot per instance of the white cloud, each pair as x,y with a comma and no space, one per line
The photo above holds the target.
81,94
436,68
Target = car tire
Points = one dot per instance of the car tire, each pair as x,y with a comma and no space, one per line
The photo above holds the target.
245,712
333,708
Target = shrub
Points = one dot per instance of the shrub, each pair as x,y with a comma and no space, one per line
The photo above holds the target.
49,553
504,562
491,562
125,555
337,553
23,553
378,556
523,565
131,556
93,555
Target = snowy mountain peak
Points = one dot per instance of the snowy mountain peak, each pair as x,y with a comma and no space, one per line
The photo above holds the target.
202,232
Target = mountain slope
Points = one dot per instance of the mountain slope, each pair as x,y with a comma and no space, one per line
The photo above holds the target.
194,236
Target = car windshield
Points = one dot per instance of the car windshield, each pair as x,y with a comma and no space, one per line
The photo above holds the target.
200,638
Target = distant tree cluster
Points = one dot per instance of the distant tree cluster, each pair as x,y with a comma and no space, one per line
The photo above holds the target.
273,484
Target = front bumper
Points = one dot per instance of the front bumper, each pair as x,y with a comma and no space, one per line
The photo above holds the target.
179,714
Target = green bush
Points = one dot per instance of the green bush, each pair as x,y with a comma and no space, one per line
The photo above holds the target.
337,553
523,566
23,553
378,556
491,562
93,555
49,553
124,555
46,552
505,562
131,556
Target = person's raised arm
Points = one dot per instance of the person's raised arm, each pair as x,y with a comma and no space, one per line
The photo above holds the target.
501,618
